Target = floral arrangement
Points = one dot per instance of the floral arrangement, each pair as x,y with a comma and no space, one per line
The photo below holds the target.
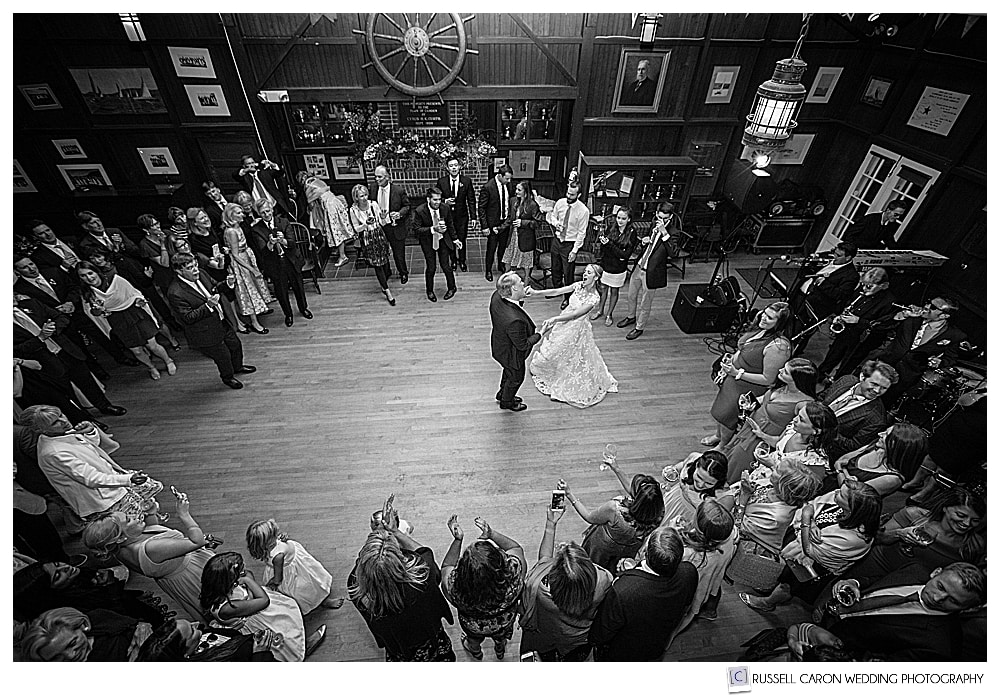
372,144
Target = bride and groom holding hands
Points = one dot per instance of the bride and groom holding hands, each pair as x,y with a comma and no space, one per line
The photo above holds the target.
567,366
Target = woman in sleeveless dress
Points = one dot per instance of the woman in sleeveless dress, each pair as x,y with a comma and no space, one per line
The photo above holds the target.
796,384
366,220
567,366
328,214
807,439
886,463
761,353
173,560
520,252
252,295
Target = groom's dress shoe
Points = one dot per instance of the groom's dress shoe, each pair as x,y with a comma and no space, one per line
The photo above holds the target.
516,406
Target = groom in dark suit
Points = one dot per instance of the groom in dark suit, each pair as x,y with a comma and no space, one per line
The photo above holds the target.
513,336
435,230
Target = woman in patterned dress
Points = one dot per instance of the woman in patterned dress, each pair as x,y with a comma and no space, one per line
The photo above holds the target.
252,295
366,220
520,252
328,214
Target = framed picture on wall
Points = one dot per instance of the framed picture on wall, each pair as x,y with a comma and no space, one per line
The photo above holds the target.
640,82
22,185
720,88
523,163
70,149
822,86
158,160
207,100
876,91
40,96
192,62
316,166
111,91
343,170
84,177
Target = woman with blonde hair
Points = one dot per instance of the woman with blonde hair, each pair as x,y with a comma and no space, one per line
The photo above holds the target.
395,585
366,221
328,214
252,295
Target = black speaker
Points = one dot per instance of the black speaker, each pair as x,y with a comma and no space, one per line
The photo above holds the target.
701,317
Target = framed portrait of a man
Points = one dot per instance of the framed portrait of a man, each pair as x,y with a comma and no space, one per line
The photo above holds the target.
641,76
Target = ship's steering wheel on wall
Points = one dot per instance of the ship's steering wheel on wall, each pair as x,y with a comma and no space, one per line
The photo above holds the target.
445,45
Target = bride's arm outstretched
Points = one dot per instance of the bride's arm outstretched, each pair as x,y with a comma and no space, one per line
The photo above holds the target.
568,314
550,293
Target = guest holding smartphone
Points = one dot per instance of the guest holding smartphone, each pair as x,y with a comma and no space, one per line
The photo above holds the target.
617,245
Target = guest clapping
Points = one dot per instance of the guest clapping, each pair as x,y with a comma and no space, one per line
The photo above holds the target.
484,584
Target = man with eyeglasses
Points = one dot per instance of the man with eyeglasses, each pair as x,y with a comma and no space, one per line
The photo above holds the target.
878,230
924,340
193,297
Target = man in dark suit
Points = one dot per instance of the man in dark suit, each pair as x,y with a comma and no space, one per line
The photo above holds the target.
908,614
460,197
512,337
39,335
642,90
857,402
192,296
215,203
862,317
264,180
496,212
644,606
878,230
924,340
392,198
825,292
279,259
116,247
51,252
650,271
435,230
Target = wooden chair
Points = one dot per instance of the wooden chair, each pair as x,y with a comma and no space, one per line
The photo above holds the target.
302,238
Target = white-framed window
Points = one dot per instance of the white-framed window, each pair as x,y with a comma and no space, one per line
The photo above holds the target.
882,177
133,29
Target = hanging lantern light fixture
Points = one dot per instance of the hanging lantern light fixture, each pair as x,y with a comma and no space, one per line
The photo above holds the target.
778,100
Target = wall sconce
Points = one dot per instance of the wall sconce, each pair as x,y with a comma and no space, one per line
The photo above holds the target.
647,30
777,102
761,159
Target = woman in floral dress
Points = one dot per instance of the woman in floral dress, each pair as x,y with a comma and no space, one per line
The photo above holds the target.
252,295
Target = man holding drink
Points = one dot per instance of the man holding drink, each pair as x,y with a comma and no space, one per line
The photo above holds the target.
435,228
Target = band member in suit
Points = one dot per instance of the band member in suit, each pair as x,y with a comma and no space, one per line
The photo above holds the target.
279,259
39,335
264,180
196,302
878,230
51,252
460,197
435,230
392,199
924,340
512,338
857,402
215,203
495,214
870,307
650,271
825,292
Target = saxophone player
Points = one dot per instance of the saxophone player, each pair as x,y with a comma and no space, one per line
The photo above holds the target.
825,292
870,309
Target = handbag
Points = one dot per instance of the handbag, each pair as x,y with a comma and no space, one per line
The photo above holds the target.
754,565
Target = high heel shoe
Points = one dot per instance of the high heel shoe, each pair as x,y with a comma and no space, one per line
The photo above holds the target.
171,368
262,330
154,373
391,300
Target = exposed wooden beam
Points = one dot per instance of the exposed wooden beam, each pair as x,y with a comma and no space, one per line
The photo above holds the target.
333,93
584,71
543,48
289,45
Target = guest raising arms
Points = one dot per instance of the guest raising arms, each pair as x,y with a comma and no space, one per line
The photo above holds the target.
328,214
366,220
617,245
753,368
127,317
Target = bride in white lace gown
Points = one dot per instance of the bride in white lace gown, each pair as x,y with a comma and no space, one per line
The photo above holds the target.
567,365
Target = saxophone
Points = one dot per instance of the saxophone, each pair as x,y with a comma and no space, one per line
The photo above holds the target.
837,324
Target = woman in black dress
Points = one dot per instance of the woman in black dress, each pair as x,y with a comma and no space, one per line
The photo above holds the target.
617,245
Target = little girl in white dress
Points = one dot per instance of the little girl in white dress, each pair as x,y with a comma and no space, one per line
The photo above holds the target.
291,569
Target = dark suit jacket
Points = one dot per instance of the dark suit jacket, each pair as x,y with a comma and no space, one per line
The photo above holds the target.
27,345
529,217
636,94
45,258
126,257
656,268
399,202
839,288
513,333
214,213
899,347
869,233
465,202
273,181
638,614
62,283
903,637
616,254
490,215
857,427
202,324
422,224
269,259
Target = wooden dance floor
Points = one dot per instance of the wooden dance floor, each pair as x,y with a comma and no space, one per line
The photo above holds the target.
368,399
